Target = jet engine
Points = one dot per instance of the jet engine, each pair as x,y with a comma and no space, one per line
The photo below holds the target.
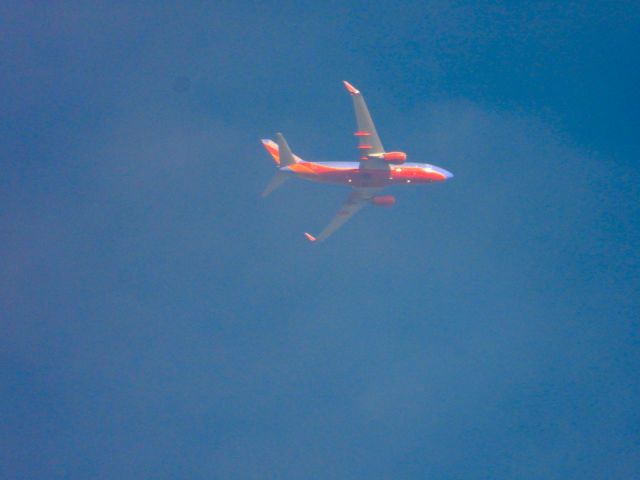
383,200
394,157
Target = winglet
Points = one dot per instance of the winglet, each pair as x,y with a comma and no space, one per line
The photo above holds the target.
310,237
352,90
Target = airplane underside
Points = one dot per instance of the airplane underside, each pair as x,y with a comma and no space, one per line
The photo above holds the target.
379,178
376,169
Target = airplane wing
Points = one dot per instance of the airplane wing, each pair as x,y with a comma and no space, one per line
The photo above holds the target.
352,205
368,140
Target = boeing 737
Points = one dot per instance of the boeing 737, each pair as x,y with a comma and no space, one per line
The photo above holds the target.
375,170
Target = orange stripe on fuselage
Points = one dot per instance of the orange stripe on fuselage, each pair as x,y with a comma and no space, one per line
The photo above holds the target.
415,174
318,169
324,173
355,177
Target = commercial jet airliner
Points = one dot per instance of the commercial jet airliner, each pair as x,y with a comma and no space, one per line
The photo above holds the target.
375,170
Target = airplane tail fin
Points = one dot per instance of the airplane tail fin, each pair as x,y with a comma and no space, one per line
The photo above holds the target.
283,157
274,150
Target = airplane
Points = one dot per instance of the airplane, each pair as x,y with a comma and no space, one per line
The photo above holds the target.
375,170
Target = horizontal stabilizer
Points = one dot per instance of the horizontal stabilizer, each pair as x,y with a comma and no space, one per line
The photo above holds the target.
277,180
286,157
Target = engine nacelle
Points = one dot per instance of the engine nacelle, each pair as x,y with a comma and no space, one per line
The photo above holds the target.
383,200
394,157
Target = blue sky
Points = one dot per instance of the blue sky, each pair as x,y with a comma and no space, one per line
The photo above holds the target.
160,320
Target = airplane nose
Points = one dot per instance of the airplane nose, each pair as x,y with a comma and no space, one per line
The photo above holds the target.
447,174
